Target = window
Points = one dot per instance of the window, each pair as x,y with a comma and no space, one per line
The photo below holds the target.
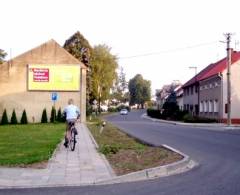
205,106
210,85
191,90
210,106
201,107
216,84
215,106
196,89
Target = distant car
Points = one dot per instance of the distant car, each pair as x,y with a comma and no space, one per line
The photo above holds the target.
123,111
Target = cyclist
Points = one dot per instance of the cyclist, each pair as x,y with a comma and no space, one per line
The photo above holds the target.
72,113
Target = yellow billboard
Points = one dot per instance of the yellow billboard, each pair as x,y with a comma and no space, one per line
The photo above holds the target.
53,77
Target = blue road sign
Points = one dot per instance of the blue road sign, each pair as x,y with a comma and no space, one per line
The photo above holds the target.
54,96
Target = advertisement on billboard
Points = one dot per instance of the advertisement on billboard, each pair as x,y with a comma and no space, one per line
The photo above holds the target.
52,77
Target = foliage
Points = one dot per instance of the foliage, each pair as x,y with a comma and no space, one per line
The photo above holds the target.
53,115
169,109
4,120
119,88
2,56
188,118
59,115
14,118
140,90
109,149
154,113
24,119
104,66
44,118
76,45
79,47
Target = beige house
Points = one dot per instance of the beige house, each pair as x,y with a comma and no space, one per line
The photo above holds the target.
14,87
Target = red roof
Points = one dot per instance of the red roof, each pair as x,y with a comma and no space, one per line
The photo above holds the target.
213,69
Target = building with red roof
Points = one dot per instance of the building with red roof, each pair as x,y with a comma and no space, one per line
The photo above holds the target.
205,94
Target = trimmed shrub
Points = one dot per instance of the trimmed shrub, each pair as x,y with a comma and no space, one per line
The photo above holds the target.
44,118
24,119
59,115
195,119
53,115
154,113
14,118
4,120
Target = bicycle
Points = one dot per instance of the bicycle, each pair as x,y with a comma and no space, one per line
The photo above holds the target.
73,132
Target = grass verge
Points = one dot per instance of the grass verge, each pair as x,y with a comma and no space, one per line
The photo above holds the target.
21,145
126,154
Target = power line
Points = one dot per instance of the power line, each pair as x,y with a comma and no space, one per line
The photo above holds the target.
168,51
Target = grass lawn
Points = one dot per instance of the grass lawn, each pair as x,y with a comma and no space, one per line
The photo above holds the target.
26,144
126,154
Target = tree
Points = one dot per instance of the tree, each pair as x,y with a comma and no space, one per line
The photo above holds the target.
139,90
14,118
104,66
119,89
79,47
4,120
2,56
24,119
59,115
44,118
53,115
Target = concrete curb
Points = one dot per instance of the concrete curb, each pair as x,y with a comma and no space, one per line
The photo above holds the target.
232,127
101,155
152,173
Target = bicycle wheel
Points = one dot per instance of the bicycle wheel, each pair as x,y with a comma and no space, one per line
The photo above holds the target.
72,140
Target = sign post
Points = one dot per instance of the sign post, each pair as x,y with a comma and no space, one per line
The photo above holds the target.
54,98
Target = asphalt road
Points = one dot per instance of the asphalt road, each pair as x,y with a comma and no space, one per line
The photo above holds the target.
217,152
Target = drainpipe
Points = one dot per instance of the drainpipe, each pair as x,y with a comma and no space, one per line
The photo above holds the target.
221,98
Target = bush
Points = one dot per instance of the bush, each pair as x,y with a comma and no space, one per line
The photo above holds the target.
112,109
44,118
109,149
4,120
89,109
53,115
24,119
195,119
169,110
154,113
59,115
14,118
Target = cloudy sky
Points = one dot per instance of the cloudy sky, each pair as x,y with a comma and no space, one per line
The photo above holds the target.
156,38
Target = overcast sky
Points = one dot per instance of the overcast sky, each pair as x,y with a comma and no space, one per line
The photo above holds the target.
165,36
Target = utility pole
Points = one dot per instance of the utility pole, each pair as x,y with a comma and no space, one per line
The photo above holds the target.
229,61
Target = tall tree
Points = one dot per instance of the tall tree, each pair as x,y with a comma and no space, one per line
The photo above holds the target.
139,90
2,56
80,48
119,89
104,66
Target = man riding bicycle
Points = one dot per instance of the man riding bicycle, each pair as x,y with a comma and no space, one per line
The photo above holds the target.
72,113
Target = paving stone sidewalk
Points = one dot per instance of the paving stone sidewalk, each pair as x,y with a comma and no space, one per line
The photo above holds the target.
84,166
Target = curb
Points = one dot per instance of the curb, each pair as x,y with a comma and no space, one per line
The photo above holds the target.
225,127
111,171
152,173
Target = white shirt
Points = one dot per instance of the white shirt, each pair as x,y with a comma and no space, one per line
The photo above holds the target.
71,112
